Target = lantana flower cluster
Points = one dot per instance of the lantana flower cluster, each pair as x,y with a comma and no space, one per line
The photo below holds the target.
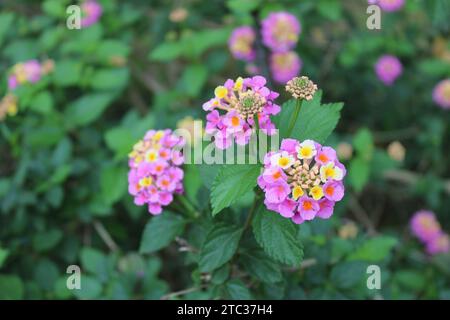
388,68
279,33
441,94
302,181
91,12
8,106
30,71
388,5
244,101
155,170
427,229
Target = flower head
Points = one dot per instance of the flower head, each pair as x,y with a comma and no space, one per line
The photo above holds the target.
388,68
425,226
241,43
441,94
92,11
243,101
390,5
301,88
280,31
8,106
155,173
293,184
30,71
285,65
439,244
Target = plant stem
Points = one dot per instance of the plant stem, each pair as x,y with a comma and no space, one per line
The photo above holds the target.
251,213
190,209
298,106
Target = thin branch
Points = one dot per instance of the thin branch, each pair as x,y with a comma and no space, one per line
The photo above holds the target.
107,239
410,178
361,215
181,292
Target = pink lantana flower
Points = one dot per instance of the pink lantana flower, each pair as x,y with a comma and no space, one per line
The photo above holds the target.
302,181
285,66
241,43
92,11
280,31
441,94
388,68
424,225
243,102
155,173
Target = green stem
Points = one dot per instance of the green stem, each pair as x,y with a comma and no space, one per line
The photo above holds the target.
190,209
251,213
298,106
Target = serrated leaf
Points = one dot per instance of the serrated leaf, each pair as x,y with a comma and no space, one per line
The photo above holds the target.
374,250
237,290
219,247
259,265
160,231
315,121
278,237
231,183
88,108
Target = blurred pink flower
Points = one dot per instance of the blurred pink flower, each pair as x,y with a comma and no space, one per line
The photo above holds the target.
441,94
285,66
388,68
92,11
241,43
280,31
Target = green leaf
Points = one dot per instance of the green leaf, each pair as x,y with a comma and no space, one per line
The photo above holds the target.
330,9
11,287
358,173
237,290
42,103
87,108
93,261
112,48
160,231
374,249
3,255
348,274
208,174
67,73
278,237
219,247
119,140
240,6
231,183
259,265
166,51
315,121
113,183
45,274
6,20
110,79
91,288
193,79
47,240
363,144
411,279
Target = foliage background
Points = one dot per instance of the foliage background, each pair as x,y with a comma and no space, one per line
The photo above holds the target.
63,185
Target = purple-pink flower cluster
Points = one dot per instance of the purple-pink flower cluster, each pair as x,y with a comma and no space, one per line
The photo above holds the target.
427,229
285,66
280,32
241,43
441,94
244,101
302,180
388,68
30,71
155,169
91,12
388,5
